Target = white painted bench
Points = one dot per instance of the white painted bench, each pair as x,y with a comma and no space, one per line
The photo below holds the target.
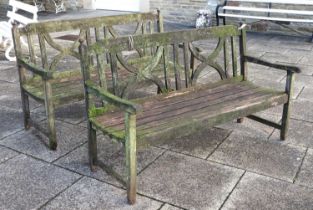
20,19
277,11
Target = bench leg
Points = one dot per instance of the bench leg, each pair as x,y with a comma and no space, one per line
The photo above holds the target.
285,121
92,147
26,111
131,165
51,116
287,106
240,120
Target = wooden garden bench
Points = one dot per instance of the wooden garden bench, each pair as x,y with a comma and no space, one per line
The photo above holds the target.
277,11
18,18
43,75
184,106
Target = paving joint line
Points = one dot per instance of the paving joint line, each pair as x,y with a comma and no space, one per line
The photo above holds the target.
211,153
300,166
229,194
144,168
59,193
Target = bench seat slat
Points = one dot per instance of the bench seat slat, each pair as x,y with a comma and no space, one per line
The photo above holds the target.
268,10
267,18
208,108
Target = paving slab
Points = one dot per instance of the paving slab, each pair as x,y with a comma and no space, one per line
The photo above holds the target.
307,59
264,157
305,176
34,143
304,80
27,183
9,74
6,154
188,182
306,94
267,74
169,207
73,113
111,154
274,57
302,110
252,128
300,133
200,144
11,121
259,192
90,194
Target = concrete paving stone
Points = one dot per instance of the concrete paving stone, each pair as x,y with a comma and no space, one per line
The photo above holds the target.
188,182
9,74
306,94
199,144
296,53
280,57
306,60
11,121
33,142
10,96
73,113
280,86
302,110
6,154
169,207
109,153
259,192
266,74
263,47
304,80
27,183
300,133
265,157
305,176
88,193
252,128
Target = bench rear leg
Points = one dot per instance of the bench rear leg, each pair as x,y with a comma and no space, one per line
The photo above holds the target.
131,159
26,111
51,116
92,147
287,106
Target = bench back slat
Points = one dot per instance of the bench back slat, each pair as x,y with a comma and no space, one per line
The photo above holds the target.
20,18
296,2
164,68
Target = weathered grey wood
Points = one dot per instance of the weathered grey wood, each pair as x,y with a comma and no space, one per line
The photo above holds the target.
50,114
131,165
53,86
287,106
176,111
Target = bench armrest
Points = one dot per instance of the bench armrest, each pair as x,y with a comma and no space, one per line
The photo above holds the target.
35,69
104,95
251,59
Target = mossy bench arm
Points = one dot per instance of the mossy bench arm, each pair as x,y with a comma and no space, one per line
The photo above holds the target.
106,96
258,61
288,90
45,75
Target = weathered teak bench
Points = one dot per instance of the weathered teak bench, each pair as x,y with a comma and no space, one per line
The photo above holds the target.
187,106
20,19
52,83
277,11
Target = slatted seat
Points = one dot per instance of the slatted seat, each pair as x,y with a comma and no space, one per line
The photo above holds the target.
171,113
180,109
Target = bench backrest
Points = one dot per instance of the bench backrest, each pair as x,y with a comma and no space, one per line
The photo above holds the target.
177,62
22,19
56,53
